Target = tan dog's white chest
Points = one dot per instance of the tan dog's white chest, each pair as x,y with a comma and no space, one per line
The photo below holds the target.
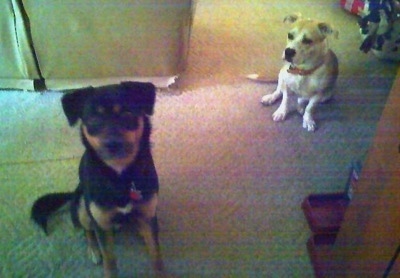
296,84
302,86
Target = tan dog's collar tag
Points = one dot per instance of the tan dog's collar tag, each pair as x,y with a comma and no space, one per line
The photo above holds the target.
135,194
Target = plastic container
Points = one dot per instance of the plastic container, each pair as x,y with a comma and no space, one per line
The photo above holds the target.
319,249
325,212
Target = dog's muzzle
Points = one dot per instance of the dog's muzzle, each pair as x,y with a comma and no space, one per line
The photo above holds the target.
113,149
289,54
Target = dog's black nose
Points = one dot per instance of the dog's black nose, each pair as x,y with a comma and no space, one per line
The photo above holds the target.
289,54
114,147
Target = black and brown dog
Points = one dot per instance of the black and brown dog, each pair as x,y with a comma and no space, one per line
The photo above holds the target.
118,179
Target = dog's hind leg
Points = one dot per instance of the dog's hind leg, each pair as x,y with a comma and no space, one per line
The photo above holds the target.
301,105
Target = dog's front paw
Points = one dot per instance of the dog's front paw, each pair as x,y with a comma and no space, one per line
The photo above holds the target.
112,273
269,99
279,115
158,265
309,124
95,256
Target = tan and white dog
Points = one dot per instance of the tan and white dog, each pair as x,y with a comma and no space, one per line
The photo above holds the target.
310,70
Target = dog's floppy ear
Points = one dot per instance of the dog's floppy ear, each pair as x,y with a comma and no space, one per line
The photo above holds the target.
291,18
73,104
141,94
326,29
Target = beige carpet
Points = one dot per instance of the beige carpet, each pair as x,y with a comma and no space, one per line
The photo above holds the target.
232,180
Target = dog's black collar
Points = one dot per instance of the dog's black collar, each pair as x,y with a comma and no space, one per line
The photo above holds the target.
104,186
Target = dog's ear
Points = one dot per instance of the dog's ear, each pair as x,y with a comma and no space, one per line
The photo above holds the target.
73,104
141,94
291,18
327,30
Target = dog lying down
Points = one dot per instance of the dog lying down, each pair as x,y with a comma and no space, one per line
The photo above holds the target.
310,70
117,177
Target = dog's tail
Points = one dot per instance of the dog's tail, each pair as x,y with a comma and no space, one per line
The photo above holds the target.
47,205
261,78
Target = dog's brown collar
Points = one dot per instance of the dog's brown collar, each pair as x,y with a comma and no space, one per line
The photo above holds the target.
303,72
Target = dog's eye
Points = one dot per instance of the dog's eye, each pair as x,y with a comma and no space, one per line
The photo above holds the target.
290,36
94,125
127,115
130,121
307,41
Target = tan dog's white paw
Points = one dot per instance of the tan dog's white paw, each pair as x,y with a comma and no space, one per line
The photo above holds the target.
279,115
309,124
269,98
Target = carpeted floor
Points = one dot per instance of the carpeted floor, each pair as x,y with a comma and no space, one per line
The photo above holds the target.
232,180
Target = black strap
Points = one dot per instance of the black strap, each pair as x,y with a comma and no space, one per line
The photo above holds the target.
391,263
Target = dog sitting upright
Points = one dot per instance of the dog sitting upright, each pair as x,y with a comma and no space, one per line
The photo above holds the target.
310,70
118,179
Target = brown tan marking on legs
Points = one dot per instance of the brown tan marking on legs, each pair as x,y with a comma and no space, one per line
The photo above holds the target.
102,217
106,244
148,229
93,250
105,239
